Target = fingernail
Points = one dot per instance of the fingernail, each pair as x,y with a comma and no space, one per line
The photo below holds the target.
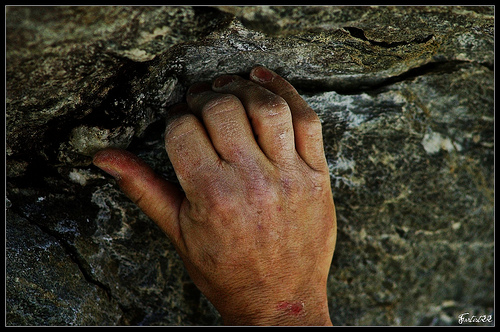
262,74
198,88
223,80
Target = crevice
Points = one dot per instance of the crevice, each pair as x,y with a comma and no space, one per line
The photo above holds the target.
129,315
374,85
82,265
110,111
71,251
426,69
360,34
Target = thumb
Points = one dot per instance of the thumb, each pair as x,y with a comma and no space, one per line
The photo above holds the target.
158,198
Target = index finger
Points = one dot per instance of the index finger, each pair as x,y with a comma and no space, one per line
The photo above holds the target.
188,147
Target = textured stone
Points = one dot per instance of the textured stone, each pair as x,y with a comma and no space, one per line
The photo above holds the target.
46,286
406,98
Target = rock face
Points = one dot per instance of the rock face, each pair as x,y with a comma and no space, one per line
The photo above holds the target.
406,99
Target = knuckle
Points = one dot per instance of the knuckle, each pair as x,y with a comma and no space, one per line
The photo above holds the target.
304,183
179,126
139,199
220,105
219,195
318,183
263,195
273,106
262,189
311,122
309,115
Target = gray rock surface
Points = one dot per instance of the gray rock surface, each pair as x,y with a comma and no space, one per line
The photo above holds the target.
406,96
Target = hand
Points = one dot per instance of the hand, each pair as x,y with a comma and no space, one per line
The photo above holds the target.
255,225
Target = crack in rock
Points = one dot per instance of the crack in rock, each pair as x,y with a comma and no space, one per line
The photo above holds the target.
360,34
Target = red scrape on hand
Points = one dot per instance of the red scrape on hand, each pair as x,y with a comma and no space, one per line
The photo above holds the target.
292,308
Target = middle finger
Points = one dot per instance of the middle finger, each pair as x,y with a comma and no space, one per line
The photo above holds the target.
226,122
269,114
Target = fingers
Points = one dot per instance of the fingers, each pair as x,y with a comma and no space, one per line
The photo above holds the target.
306,124
189,147
157,198
241,121
226,123
269,115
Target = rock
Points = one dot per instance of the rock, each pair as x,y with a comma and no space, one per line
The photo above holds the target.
410,207
405,95
47,286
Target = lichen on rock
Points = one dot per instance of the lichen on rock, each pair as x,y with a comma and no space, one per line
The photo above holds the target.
405,95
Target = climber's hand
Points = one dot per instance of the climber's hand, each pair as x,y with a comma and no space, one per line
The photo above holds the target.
255,223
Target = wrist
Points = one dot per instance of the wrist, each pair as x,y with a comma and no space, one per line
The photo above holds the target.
291,312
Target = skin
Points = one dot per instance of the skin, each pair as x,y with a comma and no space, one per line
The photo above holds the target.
255,220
